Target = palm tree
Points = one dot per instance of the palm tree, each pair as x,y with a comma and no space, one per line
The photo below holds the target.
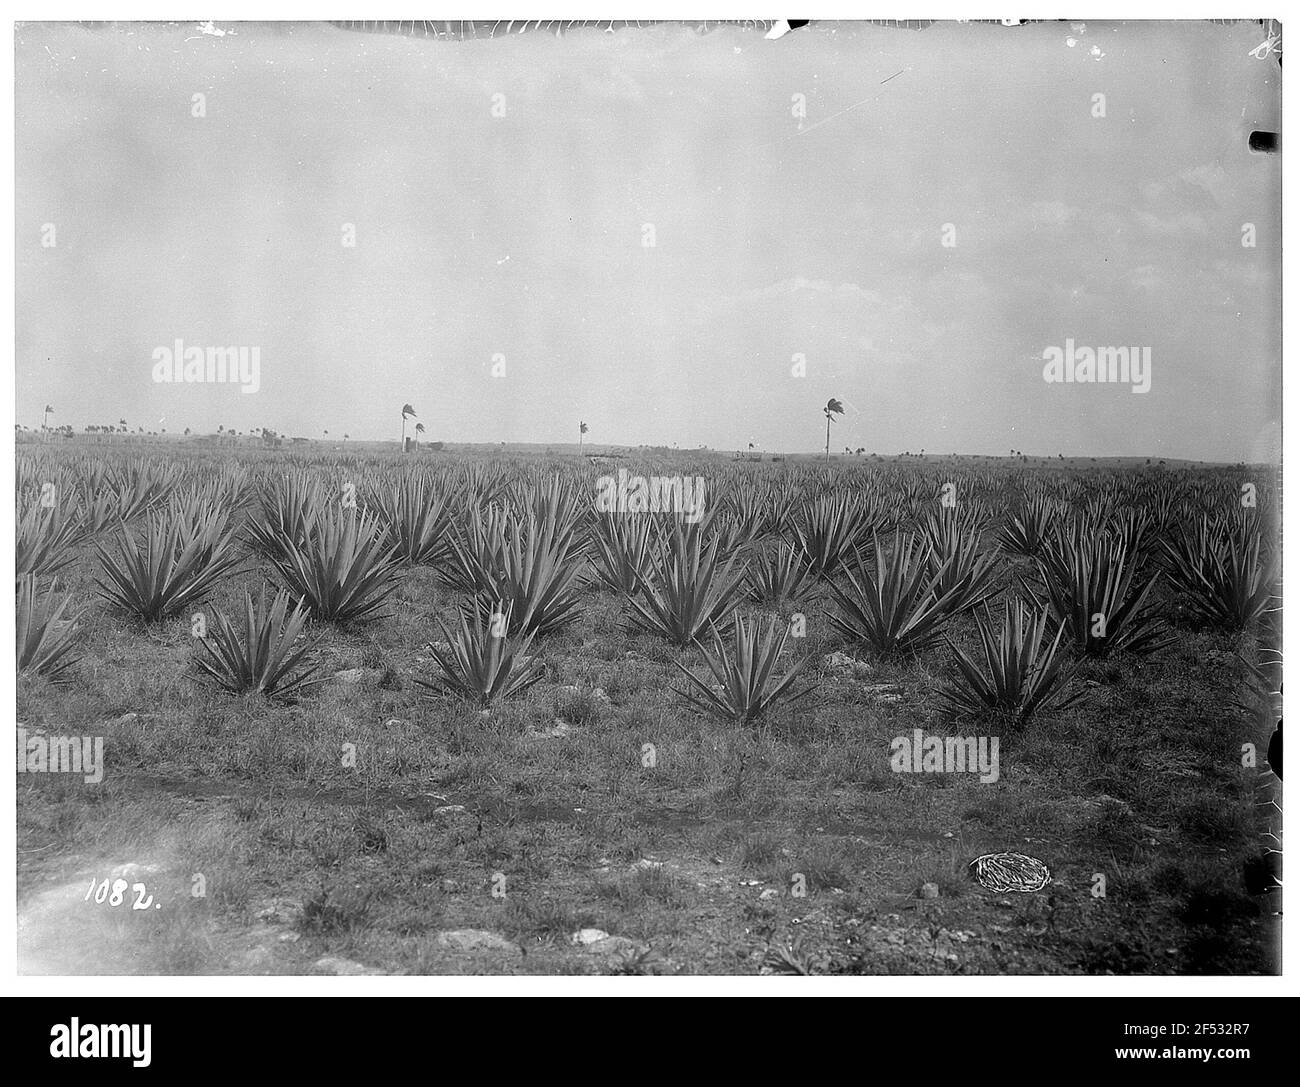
406,410
419,429
345,439
582,429
45,420
833,407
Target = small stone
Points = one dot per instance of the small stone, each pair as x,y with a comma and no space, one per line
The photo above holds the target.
350,675
600,695
290,937
473,939
133,873
258,958
332,964
449,809
586,936
125,719
394,722
929,890
559,730
771,892
615,945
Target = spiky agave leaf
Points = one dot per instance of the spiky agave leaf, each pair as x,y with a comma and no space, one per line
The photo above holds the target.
266,659
483,662
344,571
896,607
747,676
175,562
44,638
1018,677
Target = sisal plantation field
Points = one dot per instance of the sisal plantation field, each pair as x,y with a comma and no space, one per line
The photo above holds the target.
454,713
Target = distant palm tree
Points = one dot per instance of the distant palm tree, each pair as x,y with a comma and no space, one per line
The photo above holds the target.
406,410
833,407
45,420
419,429
345,439
582,429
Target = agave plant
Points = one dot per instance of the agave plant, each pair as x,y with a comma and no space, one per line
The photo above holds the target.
827,533
779,574
686,589
747,676
620,552
532,563
1026,529
482,662
267,659
1019,677
175,562
142,487
953,558
289,509
1089,583
416,518
44,638
44,540
1219,576
344,570
896,607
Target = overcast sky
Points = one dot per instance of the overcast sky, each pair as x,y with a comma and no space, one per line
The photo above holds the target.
523,235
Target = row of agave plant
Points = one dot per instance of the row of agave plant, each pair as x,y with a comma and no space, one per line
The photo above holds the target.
520,546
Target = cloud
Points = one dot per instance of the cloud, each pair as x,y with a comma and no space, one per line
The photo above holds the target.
1052,213
799,284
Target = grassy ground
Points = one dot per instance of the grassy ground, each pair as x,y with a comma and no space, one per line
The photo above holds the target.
461,842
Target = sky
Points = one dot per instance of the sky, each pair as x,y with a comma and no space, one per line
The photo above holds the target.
903,220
